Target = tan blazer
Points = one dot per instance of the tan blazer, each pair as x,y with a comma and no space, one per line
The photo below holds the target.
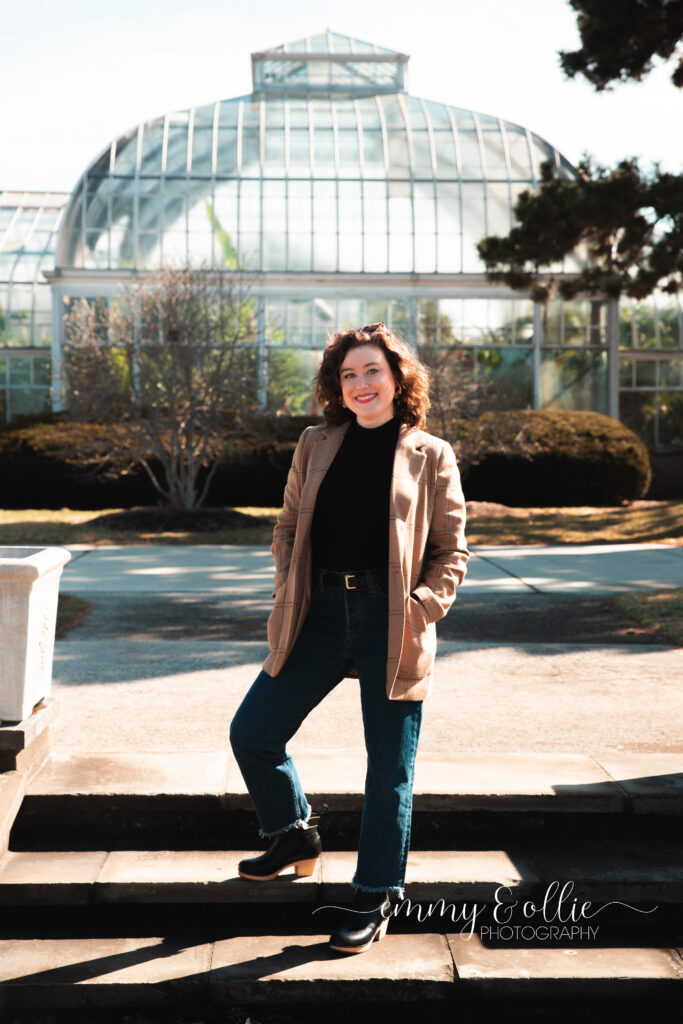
427,551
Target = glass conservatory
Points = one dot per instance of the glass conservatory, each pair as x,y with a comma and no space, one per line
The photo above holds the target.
346,200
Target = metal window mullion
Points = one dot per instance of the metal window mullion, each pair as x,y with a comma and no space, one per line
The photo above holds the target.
162,182
508,167
411,159
655,319
261,350
84,200
335,139
311,179
458,160
188,168
136,194
214,172
361,163
385,148
286,129
262,164
239,179
484,171
532,159
432,149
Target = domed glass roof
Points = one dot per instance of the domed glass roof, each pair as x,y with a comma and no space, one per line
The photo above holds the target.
328,166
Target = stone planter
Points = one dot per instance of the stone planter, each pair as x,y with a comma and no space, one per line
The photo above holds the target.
29,587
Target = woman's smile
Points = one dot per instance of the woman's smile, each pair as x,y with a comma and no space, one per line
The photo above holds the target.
368,385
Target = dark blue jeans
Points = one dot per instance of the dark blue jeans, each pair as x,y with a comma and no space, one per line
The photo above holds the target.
343,627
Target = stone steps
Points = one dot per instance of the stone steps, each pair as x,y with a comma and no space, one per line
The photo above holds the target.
440,975
600,871
168,927
151,801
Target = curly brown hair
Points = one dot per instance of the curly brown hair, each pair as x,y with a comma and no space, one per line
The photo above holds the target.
412,377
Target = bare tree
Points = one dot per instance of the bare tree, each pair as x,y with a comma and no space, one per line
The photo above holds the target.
167,362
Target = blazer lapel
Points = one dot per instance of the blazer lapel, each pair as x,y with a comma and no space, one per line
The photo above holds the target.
409,462
325,447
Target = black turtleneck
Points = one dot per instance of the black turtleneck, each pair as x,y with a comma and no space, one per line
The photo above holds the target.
350,528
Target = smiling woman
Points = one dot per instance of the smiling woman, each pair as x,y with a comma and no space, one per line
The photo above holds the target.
369,549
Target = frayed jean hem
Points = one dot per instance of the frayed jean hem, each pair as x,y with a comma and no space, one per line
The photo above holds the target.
382,888
301,823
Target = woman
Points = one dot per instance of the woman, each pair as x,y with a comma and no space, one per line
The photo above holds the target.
369,548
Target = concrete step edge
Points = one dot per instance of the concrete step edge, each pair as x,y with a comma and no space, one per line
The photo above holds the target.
604,782
604,872
122,971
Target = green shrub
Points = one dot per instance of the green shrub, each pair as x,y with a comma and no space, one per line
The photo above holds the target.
516,458
63,464
549,457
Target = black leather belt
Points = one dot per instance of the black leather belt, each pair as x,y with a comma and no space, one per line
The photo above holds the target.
352,580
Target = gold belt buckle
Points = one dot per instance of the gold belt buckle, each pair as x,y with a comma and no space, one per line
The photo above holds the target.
347,577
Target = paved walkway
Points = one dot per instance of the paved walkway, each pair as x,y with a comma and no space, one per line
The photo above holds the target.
247,572
176,637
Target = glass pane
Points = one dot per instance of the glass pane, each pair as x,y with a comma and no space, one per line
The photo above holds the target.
152,142
575,323
646,373
176,157
496,167
498,209
323,148
518,148
126,154
349,154
505,376
446,157
625,373
671,419
251,151
350,253
19,371
226,156
275,151
289,388
202,145
637,411
299,151
470,155
671,373
27,401
373,153
399,157
574,379
42,371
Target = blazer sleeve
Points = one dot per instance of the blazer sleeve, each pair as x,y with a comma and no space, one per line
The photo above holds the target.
285,526
446,553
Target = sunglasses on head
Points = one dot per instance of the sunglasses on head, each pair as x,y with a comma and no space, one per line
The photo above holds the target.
371,328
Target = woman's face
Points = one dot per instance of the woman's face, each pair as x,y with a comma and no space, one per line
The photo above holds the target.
368,385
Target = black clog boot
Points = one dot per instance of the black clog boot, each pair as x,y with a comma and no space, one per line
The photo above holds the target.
367,920
297,847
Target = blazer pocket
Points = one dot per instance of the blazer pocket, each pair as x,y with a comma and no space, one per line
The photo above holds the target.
419,642
274,627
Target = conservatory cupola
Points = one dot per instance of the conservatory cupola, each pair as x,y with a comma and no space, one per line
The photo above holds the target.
328,63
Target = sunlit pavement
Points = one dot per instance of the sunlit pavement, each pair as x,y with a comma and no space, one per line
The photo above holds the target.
118,692
247,572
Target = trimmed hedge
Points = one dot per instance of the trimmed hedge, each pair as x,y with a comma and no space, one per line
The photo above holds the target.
549,457
516,458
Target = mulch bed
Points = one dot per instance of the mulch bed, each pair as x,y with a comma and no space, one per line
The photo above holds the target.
164,520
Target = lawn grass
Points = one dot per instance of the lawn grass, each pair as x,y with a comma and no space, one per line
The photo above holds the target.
71,611
641,521
659,610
